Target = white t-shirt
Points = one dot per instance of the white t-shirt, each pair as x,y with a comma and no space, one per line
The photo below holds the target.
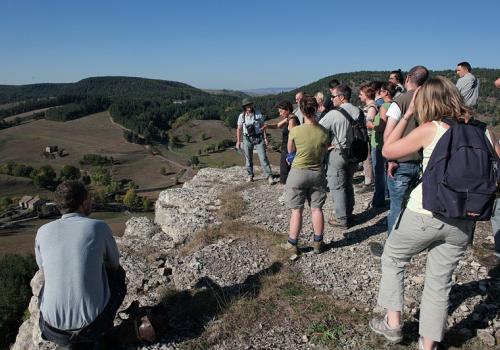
394,112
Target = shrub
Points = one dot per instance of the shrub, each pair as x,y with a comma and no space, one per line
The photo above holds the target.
16,272
69,172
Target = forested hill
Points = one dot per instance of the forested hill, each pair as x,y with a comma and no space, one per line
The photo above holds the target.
109,87
149,107
489,101
146,106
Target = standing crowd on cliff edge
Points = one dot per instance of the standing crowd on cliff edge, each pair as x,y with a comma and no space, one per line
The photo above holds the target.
421,150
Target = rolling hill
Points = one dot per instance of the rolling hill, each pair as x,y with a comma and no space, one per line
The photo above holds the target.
110,87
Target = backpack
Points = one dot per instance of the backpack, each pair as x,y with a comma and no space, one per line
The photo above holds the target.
356,149
460,180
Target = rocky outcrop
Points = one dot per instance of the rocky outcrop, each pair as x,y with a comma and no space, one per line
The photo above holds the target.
181,212
152,255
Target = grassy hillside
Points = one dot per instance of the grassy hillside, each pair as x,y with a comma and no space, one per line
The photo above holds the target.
95,134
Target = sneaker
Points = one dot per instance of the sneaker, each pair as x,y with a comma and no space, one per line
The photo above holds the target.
291,249
270,180
421,344
249,178
318,247
379,325
376,249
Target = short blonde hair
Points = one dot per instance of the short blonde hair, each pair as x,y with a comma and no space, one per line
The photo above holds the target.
438,98
319,97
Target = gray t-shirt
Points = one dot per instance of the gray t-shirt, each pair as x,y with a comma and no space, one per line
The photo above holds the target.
73,253
468,85
337,125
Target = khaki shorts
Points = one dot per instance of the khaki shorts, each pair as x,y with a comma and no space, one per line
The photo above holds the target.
303,184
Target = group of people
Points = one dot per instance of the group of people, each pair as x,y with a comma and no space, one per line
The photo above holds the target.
405,119
84,284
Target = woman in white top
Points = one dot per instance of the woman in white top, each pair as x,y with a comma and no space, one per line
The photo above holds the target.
418,230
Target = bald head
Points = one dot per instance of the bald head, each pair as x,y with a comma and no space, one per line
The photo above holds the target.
497,83
416,77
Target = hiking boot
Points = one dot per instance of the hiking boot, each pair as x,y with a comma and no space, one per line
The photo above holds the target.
291,249
376,249
270,180
249,178
318,247
421,344
336,223
379,325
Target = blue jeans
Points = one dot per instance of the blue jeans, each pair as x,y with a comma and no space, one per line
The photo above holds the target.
378,163
261,151
405,177
339,176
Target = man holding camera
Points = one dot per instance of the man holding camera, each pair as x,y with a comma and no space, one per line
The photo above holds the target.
250,123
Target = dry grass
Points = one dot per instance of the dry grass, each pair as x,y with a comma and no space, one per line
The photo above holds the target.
273,297
233,206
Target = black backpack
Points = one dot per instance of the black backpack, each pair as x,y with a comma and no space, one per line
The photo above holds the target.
356,149
460,180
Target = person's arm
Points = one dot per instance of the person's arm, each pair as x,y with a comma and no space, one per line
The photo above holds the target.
418,138
38,255
396,146
393,116
277,125
291,144
389,127
238,136
462,85
370,115
266,141
111,254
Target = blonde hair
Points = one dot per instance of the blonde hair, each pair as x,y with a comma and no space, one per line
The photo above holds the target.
319,97
438,98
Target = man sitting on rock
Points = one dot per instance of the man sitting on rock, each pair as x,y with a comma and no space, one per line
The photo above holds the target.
84,282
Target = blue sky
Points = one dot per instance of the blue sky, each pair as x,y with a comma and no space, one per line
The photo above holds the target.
240,44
